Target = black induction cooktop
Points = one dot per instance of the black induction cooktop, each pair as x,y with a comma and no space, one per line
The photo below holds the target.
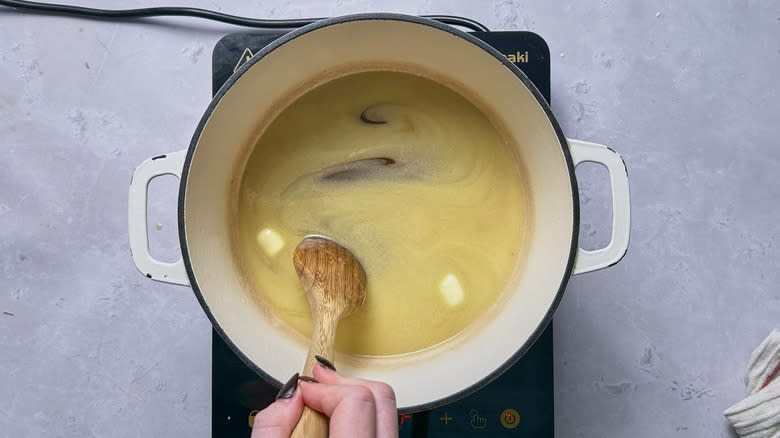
519,403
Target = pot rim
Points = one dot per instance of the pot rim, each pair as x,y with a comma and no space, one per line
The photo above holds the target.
498,371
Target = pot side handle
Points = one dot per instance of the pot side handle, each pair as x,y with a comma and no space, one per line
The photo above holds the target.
588,261
168,164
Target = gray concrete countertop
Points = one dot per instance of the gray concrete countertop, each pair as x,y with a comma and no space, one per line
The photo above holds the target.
654,346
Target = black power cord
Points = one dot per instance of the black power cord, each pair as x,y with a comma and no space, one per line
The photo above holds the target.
123,14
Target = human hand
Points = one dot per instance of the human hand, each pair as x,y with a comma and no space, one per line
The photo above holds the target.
356,407
279,418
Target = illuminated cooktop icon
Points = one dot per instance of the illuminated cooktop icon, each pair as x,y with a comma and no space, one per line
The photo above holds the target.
509,418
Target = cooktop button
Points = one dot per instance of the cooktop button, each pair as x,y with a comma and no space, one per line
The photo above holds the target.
251,419
510,418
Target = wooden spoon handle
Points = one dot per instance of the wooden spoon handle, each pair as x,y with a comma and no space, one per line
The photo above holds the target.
312,423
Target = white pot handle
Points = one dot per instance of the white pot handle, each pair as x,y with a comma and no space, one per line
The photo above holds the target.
588,261
168,164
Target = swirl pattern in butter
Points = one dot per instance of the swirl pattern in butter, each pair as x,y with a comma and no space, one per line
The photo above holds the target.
413,179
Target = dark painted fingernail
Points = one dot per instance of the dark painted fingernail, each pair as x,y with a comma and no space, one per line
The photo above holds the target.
288,389
325,362
308,379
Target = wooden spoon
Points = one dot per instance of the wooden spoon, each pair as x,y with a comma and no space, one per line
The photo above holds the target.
335,284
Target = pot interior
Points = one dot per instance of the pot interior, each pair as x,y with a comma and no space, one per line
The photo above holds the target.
317,54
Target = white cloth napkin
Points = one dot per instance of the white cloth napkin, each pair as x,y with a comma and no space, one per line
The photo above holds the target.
758,414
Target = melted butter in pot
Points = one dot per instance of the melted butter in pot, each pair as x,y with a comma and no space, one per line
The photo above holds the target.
413,179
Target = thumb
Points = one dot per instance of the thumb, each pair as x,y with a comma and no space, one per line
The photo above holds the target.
280,417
